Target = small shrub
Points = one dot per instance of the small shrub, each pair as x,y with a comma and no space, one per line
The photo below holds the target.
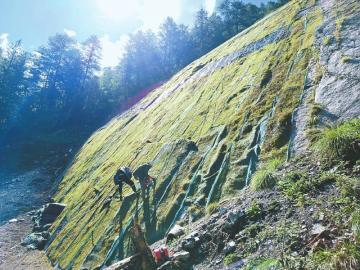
294,185
230,259
326,40
252,230
340,143
254,212
264,178
325,179
339,24
313,135
212,208
346,59
196,212
315,112
348,187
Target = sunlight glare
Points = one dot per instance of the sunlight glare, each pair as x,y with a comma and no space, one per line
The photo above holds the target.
118,9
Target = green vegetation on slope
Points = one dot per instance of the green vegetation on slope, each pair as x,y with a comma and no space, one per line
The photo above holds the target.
233,115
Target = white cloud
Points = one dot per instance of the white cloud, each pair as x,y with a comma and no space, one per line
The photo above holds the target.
210,5
70,33
112,50
4,42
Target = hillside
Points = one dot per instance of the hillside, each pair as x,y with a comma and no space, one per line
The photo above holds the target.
263,95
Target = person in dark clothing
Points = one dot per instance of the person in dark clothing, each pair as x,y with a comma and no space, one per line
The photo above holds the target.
124,175
142,175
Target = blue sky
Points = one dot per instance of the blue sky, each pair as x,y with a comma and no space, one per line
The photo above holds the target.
33,21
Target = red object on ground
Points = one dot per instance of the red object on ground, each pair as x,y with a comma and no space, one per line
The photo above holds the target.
161,254
166,251
157,255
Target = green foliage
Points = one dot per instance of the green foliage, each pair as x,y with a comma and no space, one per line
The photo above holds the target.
263,264
344,256
230,259
295,184
264,177
340,142
212,208
349,187
346,59
12,81
255,211
355,225
252,230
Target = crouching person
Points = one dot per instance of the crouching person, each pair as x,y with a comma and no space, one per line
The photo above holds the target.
124,175
146,181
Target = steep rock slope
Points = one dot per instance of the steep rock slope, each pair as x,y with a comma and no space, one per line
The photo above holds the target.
208,128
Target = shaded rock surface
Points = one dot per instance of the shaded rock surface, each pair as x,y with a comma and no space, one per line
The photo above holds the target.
43,219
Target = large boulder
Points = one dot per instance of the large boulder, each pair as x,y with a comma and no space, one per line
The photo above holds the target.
47,215
181,256
175,232
35,240
51,212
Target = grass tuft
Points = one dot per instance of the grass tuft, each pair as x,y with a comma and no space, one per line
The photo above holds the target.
315,112
264,178
355,225
326,40
346,59
340,143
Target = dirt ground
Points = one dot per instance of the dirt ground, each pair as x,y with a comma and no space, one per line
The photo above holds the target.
13,256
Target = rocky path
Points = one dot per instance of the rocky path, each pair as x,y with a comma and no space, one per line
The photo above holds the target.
13,256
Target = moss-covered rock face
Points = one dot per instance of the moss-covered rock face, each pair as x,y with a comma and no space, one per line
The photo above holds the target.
205,131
